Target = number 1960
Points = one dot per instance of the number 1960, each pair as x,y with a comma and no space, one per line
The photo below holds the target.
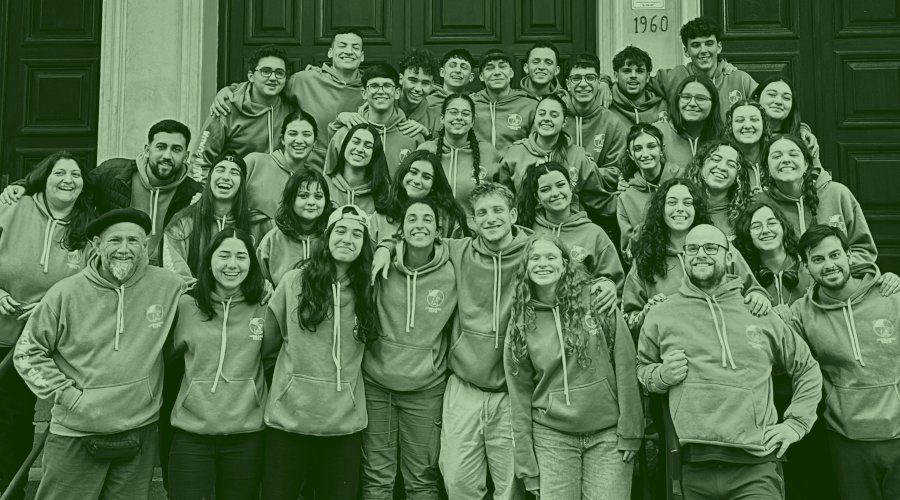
654,24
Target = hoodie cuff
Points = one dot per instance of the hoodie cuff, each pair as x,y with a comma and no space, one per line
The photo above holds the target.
629,444
655,382
532,483
796,426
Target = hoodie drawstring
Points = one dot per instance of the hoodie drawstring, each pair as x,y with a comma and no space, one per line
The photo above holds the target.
637,117
756,175
562,352
351,197
681,261
454,159
578,124
154,208
48,243
120,315
778,286
851,332
721,332
336,331
411,300
227,307
271,115
802,215
305,244
493,107
498,277
557,231
693,143
220,221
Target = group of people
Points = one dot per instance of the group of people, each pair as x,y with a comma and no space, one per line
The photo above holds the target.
361,278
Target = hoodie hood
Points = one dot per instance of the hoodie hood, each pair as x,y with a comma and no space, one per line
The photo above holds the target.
866,271
723,68
626,106
482,97
526,85
669,171
595,107
574,221
327,72
530,144
396,117
338,181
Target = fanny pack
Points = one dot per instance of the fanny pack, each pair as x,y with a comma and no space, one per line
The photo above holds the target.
113,447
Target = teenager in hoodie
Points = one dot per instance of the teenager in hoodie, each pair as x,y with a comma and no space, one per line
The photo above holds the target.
861,375
503,115
405,370
747,128
722,173
466,160
541,68
267,173
257,108
645,168
324,91
574,398
94,347
809,196
456,72
776,96
417,71
302,215
720,390
545,205
693,119
633,101
315,416
381,91
42,240
219,334
360,173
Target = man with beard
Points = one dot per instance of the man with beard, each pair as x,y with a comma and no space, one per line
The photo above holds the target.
93,346
853,331
715,360
632,100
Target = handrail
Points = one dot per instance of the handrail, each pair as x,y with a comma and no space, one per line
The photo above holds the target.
7,363
22,473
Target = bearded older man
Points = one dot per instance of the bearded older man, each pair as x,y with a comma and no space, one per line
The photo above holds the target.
94,347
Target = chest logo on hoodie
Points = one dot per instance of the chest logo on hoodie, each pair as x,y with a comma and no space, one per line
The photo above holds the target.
837,220
599,141
73,260
155,315
884,330
735,96
514,121
403,153
573,177
755,337
663,116
578,253
434,301
256,328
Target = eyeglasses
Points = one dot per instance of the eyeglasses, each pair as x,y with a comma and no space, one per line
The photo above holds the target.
586,78
700,99
268,72
385,87
455,113
710,249
771,225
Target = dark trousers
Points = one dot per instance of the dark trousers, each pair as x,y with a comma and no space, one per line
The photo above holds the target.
221,467
724,481
866,470
16,425
331,465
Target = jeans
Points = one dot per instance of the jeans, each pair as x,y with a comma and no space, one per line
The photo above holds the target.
16,426
226,467
329,464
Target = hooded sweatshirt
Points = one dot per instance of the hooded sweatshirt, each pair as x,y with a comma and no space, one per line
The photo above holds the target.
248,127
787,284
718,215
317,387
857,345
32,257
733,84
590,192
436,99
153,200
550,388
427,116
223,389
96,349
266,176
725,401
342,194
587,243
528,87
321,92
680,149
504,121
837,208
479,325
396,144
598,131
415,307
459,167
278,253
653,109
631,206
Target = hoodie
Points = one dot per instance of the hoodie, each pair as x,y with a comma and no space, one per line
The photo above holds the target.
317,387
479,325
342,194
631,206
396,144
857,345
436,99
598,131
223,390
587,243
321,92
415,307
590,192
153,200
733,84
726,401
427,116
653,109
786,285
528,87
249,127
32,257
459,167
680,149
550,388
278,253
504,121
718,216
266,176
96,349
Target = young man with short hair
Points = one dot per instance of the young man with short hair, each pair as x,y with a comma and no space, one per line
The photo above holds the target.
503,115
457,66
417,71
541,70
633,101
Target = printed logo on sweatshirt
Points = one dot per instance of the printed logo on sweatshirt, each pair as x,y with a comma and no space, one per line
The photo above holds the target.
514,121
403,153
755,337
837,220
73,260
735,96
256,328
578,253
590,324
573,177
599,141
663,116
434,300
155,315
884,330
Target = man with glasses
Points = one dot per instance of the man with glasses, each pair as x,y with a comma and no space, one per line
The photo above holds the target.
503,115
715,360
633,100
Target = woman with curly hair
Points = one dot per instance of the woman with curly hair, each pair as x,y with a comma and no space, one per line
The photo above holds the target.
302,214
360,175
720,170
809,196
315,416
747,127
575,404
694,118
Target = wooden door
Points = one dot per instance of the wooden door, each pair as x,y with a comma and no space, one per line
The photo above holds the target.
50,59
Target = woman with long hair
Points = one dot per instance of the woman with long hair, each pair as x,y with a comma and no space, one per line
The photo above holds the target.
360,175
575,404
776,96
722,173
544,205
322,315
747,127
42,240
644,167
217,446
222,205
302,214
809,196
694,118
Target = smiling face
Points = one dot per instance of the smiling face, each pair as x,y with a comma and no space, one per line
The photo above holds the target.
298,140
777,99
679,210
458,117
268,86
704,270
165,154
360,148
496,75
310,201
224,180
121,246
346,240
703,52
747,125
786,161
549,118
766,231
64,184
720,169
346,52
457,73
584,84
632,80
695,102
546,264
418,180
542,66
829,264
554,193
230,264
646,153
381,93
419,226
415,85
494,219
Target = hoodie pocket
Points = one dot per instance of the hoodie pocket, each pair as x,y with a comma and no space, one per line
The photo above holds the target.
716,413
592,407
477,358
865,413
315,406
404,367
110,408
235,404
